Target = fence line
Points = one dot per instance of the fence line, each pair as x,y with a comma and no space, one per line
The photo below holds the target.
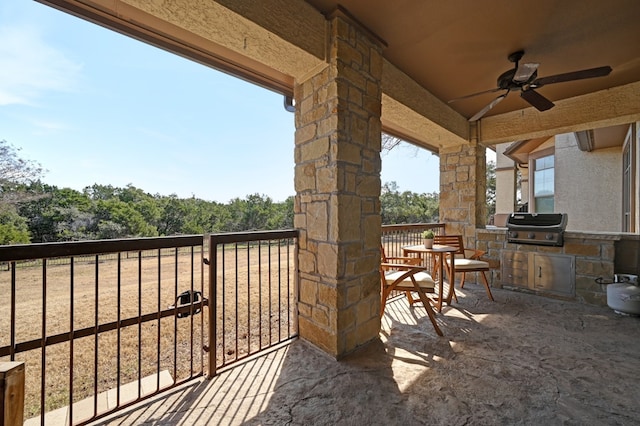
96,323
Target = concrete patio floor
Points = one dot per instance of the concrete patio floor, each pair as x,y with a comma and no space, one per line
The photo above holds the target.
523,359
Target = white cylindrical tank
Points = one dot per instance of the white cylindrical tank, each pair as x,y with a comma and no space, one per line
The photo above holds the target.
624,295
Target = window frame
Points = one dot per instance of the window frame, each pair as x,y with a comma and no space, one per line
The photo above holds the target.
628,184
547,152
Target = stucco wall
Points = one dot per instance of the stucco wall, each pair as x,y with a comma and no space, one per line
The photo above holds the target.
505,181
588,186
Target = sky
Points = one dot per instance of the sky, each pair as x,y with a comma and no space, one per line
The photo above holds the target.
94,106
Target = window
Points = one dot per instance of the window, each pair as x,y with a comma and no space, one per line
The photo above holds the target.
543,184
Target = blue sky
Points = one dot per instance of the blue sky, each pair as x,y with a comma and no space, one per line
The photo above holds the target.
94,106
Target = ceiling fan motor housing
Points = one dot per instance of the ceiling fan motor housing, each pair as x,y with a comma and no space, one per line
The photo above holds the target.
506,81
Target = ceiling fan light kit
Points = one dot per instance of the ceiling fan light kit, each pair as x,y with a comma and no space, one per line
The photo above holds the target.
524,77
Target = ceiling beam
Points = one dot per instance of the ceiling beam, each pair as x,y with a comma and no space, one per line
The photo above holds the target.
412,113
618,105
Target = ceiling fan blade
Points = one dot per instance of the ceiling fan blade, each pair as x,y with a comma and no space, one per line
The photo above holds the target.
570,76
486,109
524,72
536,100
474,94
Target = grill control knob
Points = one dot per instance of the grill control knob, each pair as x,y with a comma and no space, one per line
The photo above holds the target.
513,234
531,235
550,237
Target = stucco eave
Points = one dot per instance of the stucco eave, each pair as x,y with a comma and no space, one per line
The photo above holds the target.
215,35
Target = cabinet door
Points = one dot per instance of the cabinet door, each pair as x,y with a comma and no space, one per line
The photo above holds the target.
514,268
553,274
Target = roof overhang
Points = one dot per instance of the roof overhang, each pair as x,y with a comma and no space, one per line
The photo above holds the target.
433,52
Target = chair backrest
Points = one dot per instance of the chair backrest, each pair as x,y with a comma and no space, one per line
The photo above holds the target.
383,255
451,240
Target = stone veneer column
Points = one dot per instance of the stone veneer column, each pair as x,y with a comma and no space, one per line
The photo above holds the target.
337,182
463,187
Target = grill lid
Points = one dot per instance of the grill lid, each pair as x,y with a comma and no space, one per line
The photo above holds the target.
536,220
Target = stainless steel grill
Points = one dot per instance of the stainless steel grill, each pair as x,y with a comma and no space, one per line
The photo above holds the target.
537,228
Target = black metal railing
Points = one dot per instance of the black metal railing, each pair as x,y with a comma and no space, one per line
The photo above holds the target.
96,322
104,324
394,237
252,280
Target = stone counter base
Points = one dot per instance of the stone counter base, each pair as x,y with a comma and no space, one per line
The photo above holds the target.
583,258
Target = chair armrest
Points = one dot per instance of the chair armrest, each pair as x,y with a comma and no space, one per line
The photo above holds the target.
473,254
402,266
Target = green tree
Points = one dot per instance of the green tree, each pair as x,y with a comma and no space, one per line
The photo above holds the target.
173,216
118,219
491,189
407,207
282,215
16,175
58,214
13,227
100,192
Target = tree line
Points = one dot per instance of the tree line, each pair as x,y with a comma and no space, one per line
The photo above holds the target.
32,211
53,214
46,213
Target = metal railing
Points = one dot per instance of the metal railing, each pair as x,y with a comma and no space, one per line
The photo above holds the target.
396,236
252,279
102,325
96,322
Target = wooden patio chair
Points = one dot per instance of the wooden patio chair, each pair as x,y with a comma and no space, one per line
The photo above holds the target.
467,260
408,277
404,260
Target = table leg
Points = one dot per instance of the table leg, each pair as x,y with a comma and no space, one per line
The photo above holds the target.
452,279
440,282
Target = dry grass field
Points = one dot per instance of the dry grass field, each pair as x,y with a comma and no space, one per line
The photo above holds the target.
255,301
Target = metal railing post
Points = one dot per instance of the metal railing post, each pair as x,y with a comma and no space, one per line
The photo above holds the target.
11,393
213,306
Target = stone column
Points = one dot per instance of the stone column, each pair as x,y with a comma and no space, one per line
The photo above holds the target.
337,182
463,190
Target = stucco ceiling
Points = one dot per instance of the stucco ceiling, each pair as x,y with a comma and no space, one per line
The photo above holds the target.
455,48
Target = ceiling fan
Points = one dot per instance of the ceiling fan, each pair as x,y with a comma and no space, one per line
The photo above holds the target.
523,77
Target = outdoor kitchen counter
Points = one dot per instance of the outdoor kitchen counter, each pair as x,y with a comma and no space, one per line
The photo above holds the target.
570,234
597,254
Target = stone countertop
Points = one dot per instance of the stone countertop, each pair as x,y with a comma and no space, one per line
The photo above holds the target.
592,235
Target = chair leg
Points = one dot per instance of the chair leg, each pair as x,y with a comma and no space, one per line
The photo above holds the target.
486,285
430,313
383,303
464,274
453,290
410,298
